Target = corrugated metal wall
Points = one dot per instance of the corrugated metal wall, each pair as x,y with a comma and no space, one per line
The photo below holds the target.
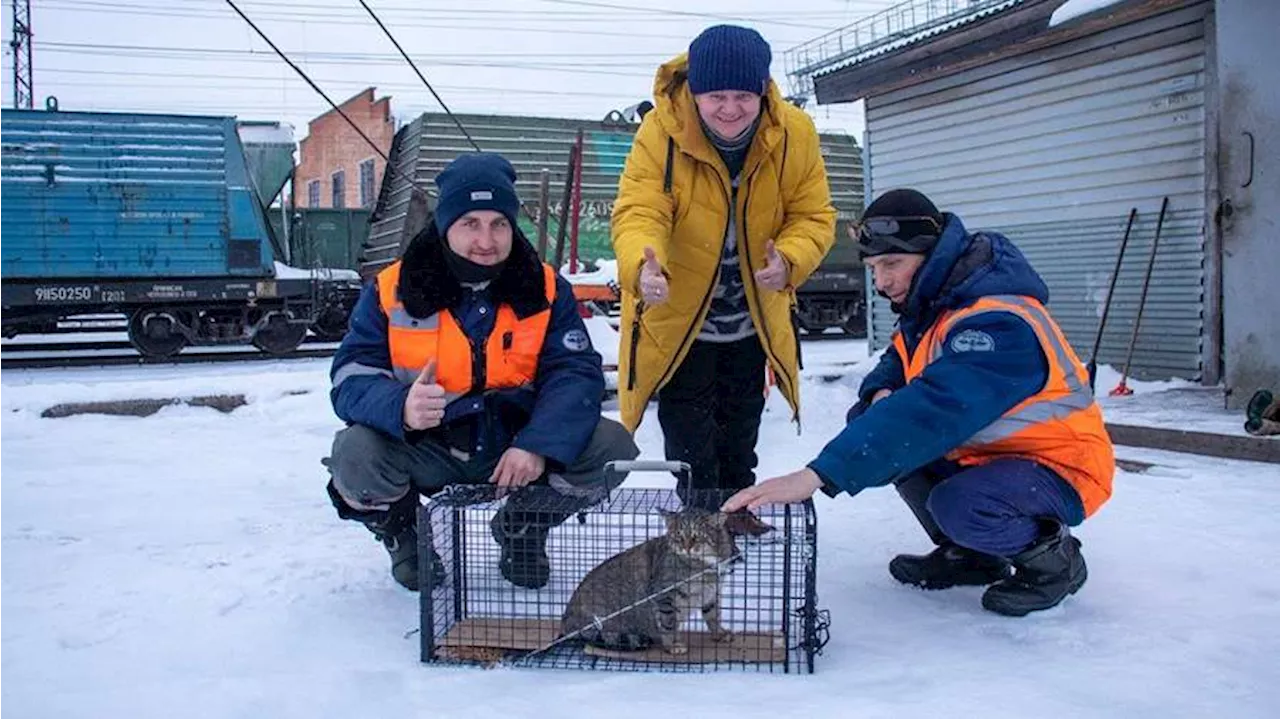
1053,149
122,195
423,148
432,141
324,236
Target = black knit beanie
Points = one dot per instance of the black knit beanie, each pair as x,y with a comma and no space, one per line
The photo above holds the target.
900,221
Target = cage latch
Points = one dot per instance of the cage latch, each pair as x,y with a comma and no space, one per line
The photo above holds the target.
817,637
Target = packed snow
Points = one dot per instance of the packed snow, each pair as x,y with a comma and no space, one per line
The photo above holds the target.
286,272
604,272
189,564
1073,9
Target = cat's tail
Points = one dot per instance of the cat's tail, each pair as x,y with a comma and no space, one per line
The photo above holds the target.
607,638
620,641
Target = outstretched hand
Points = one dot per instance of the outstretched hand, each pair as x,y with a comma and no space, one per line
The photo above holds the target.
787,489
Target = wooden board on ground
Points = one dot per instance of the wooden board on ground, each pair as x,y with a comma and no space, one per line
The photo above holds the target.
488,638
1254,449
143,407
502,633
749,648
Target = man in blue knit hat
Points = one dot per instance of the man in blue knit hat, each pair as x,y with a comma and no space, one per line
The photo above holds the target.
467,363
723,210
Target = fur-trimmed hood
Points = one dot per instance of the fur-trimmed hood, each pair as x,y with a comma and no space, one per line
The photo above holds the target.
427,286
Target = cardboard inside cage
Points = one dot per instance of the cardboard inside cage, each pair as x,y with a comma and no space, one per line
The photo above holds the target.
746,647
502,633
481,636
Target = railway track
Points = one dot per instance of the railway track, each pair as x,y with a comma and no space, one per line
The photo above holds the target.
827,337
112,346
82,356
113,352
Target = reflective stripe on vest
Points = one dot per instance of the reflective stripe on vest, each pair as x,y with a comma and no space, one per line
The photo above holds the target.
1060,426
510,354
1038,409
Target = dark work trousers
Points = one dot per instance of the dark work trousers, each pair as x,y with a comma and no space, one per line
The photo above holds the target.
710,416
371,470
991,508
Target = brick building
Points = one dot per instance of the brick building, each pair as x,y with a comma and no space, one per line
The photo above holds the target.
337,167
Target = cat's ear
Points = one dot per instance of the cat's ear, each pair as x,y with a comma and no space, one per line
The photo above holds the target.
743,523
669,516
719,519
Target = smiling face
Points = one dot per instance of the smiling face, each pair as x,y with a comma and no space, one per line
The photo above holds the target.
728,113
893,273
482,236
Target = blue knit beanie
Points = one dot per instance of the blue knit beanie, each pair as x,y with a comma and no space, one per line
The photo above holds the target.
728,57
476,181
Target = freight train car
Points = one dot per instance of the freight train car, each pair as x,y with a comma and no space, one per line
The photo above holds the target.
161,218
834,297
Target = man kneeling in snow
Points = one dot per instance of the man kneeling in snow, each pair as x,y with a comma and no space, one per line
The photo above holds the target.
980,414
467,363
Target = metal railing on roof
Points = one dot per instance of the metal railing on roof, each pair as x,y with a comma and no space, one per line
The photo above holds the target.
870,33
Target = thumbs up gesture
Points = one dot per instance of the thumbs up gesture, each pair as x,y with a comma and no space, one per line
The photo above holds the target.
653,284
775,272
424,407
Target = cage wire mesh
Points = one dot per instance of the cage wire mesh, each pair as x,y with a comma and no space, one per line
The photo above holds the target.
762,586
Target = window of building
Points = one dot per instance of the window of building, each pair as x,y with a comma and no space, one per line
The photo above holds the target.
340,189
313,193
367,191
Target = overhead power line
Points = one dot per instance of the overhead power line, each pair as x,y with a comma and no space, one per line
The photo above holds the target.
315,87
321,58
418,72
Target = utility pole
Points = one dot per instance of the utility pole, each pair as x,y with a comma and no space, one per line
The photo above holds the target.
21,44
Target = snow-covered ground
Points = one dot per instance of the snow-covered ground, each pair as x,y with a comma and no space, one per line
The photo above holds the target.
1072,9
189,564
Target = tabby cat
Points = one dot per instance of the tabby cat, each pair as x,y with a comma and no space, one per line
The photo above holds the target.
679,571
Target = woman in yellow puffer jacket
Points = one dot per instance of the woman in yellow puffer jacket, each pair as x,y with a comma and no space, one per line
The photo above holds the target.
723,209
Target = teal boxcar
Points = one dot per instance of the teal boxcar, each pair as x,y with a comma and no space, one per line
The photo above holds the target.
158,217
100,195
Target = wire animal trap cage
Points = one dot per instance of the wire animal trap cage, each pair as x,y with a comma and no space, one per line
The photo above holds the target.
636,582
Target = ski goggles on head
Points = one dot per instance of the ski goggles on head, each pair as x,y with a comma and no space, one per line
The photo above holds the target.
881,235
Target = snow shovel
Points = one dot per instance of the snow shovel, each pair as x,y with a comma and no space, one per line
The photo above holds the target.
1106,307
1123,387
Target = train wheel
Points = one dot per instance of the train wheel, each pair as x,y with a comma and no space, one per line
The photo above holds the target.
279,336
331,324
155,334
856,325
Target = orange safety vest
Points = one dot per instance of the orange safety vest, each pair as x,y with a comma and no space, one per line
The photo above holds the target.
510,354
1060,426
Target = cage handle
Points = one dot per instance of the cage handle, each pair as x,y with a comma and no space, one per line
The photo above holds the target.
620,466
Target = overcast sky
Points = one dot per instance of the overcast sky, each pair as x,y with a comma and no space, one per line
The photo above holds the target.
561,58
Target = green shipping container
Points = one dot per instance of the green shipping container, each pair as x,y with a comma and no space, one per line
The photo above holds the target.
323,237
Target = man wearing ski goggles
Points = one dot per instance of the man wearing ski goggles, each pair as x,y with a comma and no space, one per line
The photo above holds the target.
980,414
909,234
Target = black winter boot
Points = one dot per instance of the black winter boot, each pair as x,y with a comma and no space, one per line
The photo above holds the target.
949,565
523,540
1046,573
1262,415
522,535
396,529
